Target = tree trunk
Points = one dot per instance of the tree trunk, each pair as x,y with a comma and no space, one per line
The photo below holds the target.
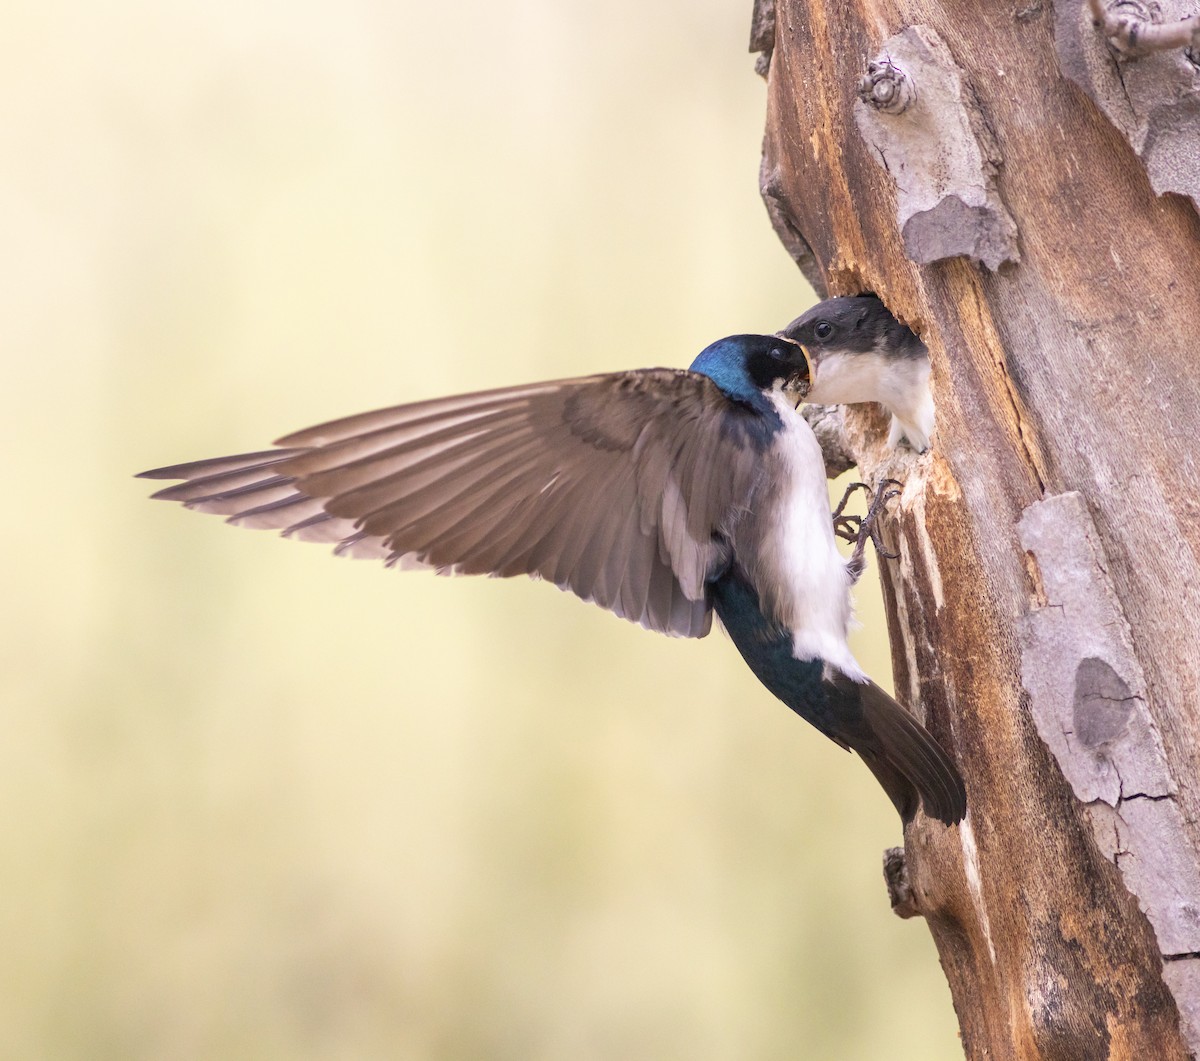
997,186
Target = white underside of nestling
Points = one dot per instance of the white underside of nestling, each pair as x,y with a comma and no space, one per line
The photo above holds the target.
800,564
899,384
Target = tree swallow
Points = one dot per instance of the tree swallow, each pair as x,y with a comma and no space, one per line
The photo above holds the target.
859,352
660,494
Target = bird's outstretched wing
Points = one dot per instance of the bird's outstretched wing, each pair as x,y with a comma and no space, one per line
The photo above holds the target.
622,488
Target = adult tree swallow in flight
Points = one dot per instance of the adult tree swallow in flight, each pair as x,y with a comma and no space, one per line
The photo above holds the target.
660,494
859,352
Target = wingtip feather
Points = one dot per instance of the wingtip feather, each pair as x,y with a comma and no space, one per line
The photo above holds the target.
908,761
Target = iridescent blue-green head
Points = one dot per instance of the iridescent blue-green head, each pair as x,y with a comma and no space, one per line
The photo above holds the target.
748,367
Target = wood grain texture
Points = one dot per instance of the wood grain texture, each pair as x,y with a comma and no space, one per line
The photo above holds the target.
1073,371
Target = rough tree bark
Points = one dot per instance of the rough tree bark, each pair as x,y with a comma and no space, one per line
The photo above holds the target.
1022,193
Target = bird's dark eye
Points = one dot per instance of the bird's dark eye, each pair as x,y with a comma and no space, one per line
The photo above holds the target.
779,354
823,330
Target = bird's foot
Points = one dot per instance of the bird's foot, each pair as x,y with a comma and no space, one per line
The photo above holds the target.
868,528
848,527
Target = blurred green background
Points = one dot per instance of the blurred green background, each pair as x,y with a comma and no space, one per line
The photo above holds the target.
260,803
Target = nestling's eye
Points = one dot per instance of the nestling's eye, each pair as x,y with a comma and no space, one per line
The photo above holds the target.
779,354
823,330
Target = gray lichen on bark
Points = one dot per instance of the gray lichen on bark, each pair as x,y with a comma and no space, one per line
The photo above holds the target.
941,156
1153,99
1093,709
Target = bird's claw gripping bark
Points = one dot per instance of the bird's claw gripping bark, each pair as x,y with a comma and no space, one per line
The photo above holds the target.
848,527
868,526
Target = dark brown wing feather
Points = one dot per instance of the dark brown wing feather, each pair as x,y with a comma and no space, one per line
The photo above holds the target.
622,488
905,758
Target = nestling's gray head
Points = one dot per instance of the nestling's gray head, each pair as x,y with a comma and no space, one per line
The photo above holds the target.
858,352
858,324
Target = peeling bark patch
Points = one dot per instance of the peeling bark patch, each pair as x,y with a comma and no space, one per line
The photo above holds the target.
1154,100
1154,864
1183,979
762,35
941,157
1090,702
1103,703
762,26
952,228
1088,692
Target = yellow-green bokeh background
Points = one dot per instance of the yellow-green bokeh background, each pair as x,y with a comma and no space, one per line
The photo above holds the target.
259,803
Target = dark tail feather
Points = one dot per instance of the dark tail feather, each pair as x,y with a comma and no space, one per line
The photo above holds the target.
901,754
